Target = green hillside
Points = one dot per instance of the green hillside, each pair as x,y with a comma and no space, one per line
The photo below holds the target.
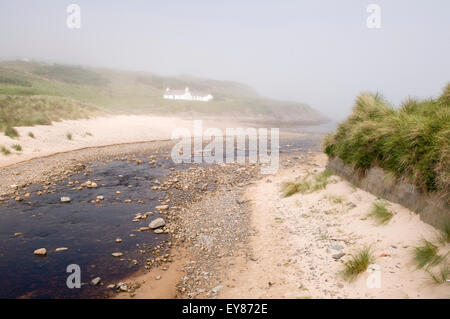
40,110
114,91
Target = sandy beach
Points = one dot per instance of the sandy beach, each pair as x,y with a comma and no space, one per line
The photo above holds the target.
291,247
97,131
298,239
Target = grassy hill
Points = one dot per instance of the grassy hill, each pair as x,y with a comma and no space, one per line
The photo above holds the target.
40,110
114,91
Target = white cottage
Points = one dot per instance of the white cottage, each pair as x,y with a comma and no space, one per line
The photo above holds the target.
187,95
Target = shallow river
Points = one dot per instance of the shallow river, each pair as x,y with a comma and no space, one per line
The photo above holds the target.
87,229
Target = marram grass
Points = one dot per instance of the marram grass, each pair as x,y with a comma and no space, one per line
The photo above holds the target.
318,182
411,141
358,263
380,213
426,255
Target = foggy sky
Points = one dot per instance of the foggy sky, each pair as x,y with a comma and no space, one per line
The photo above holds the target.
317,52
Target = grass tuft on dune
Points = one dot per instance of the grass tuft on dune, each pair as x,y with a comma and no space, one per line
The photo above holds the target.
316,183
358,263
380,213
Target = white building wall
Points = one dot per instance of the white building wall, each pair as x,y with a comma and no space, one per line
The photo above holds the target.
187,96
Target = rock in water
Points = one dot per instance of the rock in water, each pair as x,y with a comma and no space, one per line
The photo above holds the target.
162,207
65,199
61,249
117,254
96,281
40,252
156,223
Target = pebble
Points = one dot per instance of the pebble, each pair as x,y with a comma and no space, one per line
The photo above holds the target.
337,247
40,252
338,256
61,249
117,254
162,207
96,281
122,286
217,289
65,199
118,240
100,197
156,223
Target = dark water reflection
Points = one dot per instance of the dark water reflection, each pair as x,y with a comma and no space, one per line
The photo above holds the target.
88,229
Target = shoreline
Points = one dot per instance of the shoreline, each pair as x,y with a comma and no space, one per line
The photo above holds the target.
105,130
295,247
51,169
58,166
242,240
86,133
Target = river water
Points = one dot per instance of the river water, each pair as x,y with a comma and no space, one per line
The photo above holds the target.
87,229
